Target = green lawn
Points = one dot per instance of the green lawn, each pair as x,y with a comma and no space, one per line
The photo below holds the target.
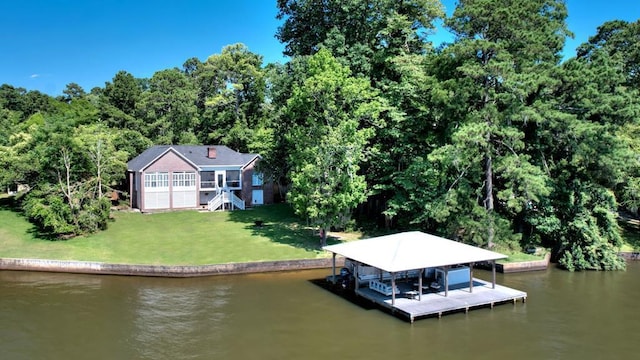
518,257
171,238
188,238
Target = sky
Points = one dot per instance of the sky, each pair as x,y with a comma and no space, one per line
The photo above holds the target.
47,44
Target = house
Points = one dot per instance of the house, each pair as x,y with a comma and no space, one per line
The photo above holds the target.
215,177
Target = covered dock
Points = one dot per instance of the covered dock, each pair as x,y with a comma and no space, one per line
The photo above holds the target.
421,275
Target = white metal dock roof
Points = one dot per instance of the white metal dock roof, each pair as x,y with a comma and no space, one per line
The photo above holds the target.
411,250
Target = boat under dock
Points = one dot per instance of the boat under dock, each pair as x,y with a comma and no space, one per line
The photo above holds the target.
411,305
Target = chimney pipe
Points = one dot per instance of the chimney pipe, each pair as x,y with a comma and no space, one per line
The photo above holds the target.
211,153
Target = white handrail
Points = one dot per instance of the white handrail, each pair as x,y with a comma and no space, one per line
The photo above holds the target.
225,197
215,203
237,202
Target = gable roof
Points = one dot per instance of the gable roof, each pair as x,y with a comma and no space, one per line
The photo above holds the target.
411,250
194,154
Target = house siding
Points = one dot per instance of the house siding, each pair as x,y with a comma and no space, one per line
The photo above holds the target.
170,162
247,175
247,186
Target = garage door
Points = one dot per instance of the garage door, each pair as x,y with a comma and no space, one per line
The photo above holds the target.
156,190
156,200
184,189
184,199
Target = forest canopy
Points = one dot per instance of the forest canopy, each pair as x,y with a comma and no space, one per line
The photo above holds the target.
496,139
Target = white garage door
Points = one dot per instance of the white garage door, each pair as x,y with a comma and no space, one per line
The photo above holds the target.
184,189
156,199
257,197
156,190
184,199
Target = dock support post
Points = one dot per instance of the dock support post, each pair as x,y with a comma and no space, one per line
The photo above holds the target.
493,274
446,280
333,264
420,285
470,277
393,288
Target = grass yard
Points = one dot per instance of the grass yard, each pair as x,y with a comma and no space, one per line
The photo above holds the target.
172,238
519,257
190,238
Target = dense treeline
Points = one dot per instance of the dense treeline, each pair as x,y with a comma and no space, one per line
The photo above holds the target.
492,139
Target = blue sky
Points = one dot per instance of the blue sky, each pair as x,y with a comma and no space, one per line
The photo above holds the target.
46,44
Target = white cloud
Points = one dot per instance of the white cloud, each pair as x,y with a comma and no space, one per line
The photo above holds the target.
33,76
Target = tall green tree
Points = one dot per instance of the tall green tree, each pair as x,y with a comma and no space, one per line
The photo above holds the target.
169,107
589,160
233,88
362,34
483,177
333,113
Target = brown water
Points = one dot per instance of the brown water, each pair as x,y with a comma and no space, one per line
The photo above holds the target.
589,315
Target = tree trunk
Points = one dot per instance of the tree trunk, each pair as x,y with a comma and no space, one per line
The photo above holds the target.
323,237
488,200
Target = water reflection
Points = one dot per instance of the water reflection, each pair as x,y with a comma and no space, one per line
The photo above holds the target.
172,323
588,315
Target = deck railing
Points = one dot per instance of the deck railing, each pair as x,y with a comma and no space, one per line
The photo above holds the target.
224,198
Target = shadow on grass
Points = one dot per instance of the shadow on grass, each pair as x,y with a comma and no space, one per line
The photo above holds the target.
631,232
10,203
278,223
13,204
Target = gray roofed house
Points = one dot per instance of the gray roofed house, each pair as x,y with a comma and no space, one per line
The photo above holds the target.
213,177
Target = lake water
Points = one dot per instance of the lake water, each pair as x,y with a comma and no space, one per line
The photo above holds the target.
587,315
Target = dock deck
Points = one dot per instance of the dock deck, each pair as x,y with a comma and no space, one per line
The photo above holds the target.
435,303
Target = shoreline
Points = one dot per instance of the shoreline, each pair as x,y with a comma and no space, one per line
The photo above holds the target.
186,271
175,271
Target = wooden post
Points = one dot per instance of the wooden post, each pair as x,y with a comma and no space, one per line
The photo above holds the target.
420,285
446,280
393,288
356,266
470,277
493,274
333,263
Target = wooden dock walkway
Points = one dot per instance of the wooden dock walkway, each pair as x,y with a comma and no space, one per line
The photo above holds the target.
433,303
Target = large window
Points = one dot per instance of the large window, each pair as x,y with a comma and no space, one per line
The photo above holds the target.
184,179
256,179
156,180
233,178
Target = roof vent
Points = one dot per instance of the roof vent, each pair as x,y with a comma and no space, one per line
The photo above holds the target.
211,153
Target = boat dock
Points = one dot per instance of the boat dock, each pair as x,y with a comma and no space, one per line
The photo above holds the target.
412,306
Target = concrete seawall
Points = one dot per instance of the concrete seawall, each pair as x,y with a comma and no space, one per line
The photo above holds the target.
88,267
521,266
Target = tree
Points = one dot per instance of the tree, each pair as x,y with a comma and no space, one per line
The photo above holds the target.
333,114
168,107
362,34
619,39
77,164
589,159
232,86
73,91
482,178
123,93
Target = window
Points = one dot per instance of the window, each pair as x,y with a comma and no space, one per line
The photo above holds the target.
256,179
156,180
184,179
233,178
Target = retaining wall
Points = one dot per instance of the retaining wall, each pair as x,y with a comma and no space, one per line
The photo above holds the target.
521,266
634,256
88,267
